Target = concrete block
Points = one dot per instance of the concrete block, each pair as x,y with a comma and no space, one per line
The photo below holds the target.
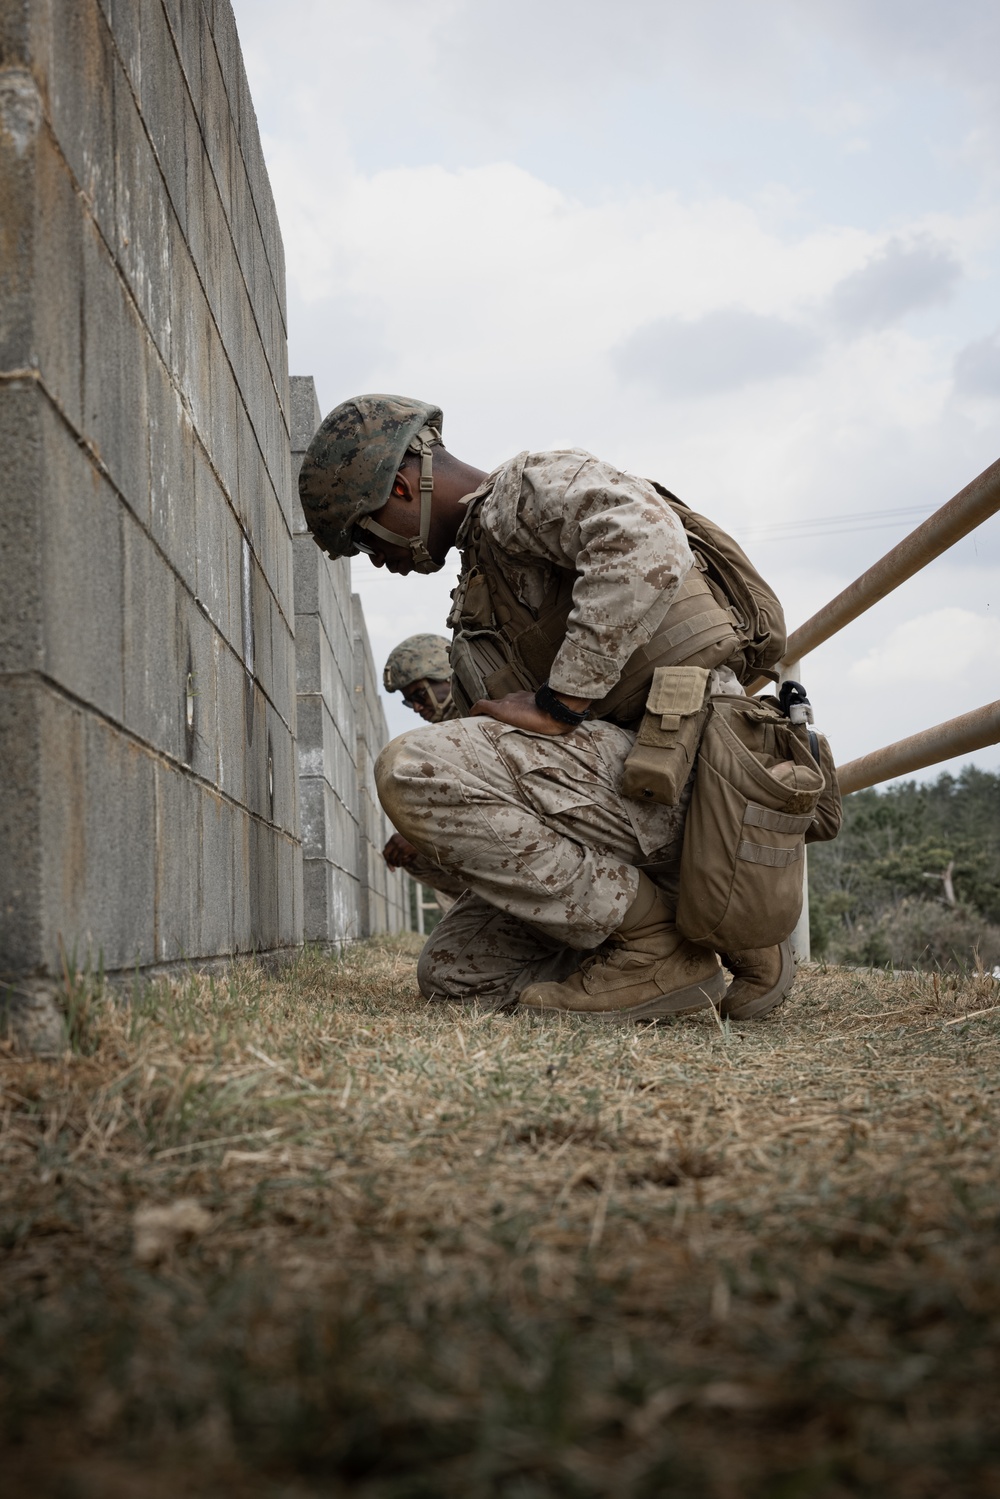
18,229
235,545
307,560
257,749
279,466
232,298
316,901
282,668
201,748
261,604
263,298
22,482
82,573
242,219
279,561
304,411
308,667
216,249
216,877
56,288
345,901
263,885
215,120
227,47
124,18
114,377
178,865
191,338
98,840
299,526
172,486
246,119
224,416
195,168
341,771
309,739
162,98
232,693
213,523
252,477
242,927
143,219
81,78
312,817
288,880
157,647
188,27
21,753
283,775
342,837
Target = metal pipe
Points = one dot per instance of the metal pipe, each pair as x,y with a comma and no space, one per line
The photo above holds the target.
959,736
801,951
955,519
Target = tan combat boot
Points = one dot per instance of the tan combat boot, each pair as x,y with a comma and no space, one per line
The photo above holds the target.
762,977
644,970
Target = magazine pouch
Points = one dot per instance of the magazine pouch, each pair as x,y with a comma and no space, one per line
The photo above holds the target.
660,761
756,793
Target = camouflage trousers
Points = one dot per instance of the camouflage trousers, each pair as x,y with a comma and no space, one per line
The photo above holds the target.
538,830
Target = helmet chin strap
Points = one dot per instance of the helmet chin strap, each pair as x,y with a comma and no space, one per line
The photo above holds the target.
423,562
442,710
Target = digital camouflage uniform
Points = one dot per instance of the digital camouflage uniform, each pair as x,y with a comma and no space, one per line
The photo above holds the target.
424,658
536,825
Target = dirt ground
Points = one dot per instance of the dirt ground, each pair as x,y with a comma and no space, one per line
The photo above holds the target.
305,1235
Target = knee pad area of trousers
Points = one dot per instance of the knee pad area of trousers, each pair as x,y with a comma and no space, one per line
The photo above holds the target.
394,789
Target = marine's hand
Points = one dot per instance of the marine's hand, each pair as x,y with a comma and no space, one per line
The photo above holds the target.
399,852
521,712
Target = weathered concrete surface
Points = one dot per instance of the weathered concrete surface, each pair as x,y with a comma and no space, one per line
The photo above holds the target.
147,696
348,891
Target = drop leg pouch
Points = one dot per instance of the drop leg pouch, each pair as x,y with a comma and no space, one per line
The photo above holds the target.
660,761
756,789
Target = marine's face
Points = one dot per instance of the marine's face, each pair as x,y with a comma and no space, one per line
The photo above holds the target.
425,697
399,514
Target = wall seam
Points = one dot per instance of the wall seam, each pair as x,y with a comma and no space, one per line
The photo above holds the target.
152,751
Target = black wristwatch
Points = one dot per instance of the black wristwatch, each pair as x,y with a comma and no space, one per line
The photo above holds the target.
546,700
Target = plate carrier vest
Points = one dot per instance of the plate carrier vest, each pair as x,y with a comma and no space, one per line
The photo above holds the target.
723,614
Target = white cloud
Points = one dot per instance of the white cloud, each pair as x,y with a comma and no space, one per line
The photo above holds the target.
902,277
952,644
722,350
977,367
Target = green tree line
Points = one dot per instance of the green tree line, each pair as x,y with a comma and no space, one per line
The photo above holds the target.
914,877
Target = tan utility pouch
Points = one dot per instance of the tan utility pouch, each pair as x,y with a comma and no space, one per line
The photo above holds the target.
661,758
755,795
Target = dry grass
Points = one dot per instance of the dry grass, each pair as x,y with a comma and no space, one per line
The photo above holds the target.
303,1235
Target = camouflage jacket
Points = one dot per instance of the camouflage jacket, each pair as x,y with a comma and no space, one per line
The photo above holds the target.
567,510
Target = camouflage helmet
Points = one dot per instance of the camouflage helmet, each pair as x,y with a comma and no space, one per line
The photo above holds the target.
419,658
349,468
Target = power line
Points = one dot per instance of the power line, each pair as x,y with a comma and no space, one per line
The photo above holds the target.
833,525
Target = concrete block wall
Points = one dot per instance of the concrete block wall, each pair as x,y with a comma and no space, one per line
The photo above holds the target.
147,663
385,897
348,891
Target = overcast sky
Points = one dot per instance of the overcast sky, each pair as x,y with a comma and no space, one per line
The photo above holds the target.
750,250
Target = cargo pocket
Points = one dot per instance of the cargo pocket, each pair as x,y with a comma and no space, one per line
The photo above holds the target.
755,795
555,778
